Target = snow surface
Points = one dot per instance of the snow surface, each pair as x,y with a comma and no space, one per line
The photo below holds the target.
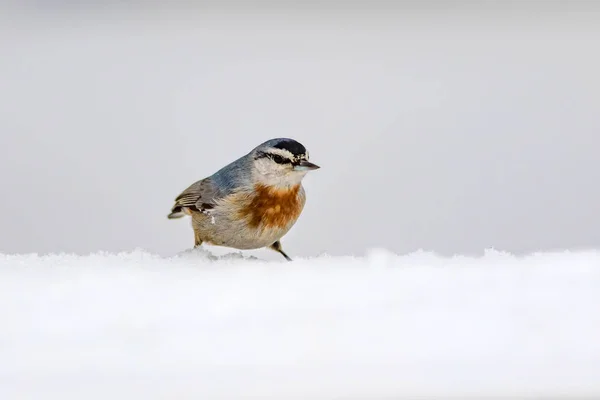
138,326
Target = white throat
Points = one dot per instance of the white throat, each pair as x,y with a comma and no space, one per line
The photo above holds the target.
266,175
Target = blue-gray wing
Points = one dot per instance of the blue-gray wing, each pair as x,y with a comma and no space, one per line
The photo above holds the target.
199,196
204,194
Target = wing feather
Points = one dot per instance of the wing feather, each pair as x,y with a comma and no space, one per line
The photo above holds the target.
199,196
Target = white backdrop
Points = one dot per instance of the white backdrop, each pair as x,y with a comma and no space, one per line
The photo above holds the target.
445,128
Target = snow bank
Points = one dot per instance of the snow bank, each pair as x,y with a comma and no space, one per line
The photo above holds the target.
137,326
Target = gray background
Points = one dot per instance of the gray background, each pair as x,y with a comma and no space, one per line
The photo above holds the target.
451,127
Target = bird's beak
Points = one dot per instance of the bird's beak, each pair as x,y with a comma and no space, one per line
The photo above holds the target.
305,166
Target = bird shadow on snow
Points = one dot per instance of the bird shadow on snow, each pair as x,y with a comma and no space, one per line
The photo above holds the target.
200,253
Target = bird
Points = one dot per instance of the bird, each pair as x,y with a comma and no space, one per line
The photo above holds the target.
252,202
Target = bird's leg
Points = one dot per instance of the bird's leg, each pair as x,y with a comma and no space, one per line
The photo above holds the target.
197,240
277,247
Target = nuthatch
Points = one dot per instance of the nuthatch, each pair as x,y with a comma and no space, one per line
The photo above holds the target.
252,202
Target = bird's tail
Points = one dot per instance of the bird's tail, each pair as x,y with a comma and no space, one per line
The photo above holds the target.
176,212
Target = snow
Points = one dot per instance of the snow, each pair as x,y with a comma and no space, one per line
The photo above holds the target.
135,325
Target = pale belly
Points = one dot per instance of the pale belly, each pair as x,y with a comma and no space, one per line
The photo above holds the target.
220,231
244,221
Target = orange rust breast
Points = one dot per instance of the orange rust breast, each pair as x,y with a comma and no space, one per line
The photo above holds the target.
273,207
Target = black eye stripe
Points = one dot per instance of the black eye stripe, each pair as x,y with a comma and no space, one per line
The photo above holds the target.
275,157
279,159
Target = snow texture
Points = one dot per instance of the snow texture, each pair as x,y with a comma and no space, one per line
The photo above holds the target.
138,326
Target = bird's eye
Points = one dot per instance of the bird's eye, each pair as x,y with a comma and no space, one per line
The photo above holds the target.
279,159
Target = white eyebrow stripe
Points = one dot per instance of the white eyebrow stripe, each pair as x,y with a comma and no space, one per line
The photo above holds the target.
282,152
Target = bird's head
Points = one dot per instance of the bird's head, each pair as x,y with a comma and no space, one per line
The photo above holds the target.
281,162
